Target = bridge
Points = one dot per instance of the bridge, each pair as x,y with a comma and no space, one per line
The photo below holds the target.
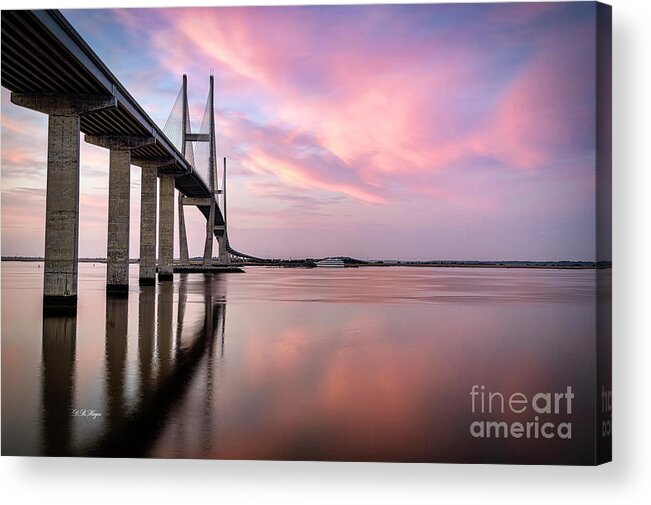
49,68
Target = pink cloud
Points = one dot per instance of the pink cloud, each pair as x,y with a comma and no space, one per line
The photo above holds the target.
298,174
535,119
392,110
368,113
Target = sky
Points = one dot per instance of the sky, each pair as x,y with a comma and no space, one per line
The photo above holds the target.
445,131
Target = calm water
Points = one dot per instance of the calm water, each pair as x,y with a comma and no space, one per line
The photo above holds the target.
331,364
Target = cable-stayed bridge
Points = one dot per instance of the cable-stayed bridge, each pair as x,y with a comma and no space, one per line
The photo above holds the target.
198,148
48,67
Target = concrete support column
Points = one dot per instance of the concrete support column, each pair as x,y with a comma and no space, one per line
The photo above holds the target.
148,189
184,256
62,194
120,146
117,271
61,215
224,257
166,228
210,231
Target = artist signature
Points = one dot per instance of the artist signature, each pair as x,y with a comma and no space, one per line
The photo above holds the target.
92,413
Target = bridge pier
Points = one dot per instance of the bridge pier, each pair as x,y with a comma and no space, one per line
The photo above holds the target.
148,197
62,192
210,230
224,257
117,253
166,228
185,129
117,244
148,203
61,215
184,255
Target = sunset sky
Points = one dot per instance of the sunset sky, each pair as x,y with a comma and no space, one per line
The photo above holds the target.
407,132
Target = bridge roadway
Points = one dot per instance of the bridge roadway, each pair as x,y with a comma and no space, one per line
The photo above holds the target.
42,53
48,67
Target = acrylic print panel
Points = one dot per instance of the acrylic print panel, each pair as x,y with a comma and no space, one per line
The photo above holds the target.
412,264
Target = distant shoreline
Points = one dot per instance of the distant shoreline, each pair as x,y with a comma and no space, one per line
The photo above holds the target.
488,265
352,263
36,260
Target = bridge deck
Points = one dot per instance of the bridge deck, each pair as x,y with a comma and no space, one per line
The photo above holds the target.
42,53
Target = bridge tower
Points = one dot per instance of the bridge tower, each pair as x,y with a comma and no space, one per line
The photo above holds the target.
210,224
206,136
222,239
185,129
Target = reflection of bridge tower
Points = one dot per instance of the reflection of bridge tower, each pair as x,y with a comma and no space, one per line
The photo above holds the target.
200,150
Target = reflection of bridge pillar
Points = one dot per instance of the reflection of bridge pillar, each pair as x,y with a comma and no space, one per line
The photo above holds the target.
58,379
62,194
146,319
164,336
183,298
223,320
117,320
166,228
209,306
117,244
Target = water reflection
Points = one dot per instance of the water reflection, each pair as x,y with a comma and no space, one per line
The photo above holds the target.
139,430
348,365
117,320
146,329
58,377
130,431
164,333
183,300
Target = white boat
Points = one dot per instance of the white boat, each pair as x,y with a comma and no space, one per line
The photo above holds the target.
331,263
